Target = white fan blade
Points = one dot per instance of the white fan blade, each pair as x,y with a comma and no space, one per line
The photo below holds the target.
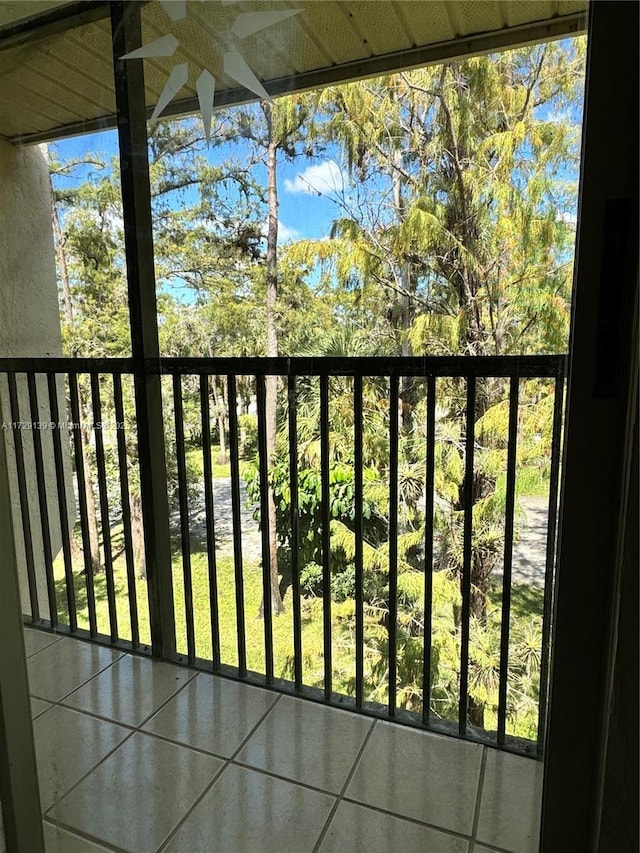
206,88
165,46
175,9
178,77
248,23
236,68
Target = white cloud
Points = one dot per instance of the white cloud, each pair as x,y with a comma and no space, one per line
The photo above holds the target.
287,233
284,232
326,177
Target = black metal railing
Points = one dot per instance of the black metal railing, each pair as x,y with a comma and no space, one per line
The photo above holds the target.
59,470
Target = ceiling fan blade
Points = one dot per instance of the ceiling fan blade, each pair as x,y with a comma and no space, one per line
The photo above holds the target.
165,46
206,88
235,66
175,9
178,77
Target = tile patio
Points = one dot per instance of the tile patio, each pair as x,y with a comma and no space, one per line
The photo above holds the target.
147,757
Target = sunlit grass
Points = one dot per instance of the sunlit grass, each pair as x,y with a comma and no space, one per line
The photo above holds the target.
228,629
526,604
220,470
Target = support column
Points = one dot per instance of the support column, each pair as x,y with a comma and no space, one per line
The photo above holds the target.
138,234
19,792
598,460
30,328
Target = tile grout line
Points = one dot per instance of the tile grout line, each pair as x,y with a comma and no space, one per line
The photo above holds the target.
338,799
217,776
131,732
88,773
491,847
147,732
84,835
42,648
476,815
442,829
166,701
262,772
233,761
61,702
83,683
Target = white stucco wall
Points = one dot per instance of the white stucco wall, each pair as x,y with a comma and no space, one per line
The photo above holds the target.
29,326
29,323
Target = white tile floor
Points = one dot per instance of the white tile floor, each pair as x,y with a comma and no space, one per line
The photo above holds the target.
142,757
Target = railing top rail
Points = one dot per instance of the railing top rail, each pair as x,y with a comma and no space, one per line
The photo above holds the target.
524,366
56,364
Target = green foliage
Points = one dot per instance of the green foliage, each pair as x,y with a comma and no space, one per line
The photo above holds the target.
248,435
341,503
452,235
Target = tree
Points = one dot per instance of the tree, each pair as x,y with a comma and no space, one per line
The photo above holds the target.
90,278
69,322
460,228
273,129
452,235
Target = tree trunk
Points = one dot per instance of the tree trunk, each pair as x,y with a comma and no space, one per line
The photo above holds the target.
62,258
405,311
222,423
272,348
137,534
461,221
480,573
92,516
87,486
476,713
218,402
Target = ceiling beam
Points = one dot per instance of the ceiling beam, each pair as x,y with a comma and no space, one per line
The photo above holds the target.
418,57
60,19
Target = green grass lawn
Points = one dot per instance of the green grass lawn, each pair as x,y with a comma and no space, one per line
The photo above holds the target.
220,470
526,603
253,624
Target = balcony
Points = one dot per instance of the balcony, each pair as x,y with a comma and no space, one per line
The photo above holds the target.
332,722
65,606
140,755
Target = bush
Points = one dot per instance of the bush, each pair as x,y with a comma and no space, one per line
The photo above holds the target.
341,506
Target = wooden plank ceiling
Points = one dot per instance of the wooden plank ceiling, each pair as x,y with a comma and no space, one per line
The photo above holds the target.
56,77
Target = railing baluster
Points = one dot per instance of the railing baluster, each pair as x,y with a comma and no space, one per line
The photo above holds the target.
393,542
470,370
359,536
42,499
554,481
96,406
82,501
183,500
267,613
62,500
293,509
467,555
126,509
326,535
428,548
24,498
205,419
508,557
237,523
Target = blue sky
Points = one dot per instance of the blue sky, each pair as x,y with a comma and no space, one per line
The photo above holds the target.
307,191
307,186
